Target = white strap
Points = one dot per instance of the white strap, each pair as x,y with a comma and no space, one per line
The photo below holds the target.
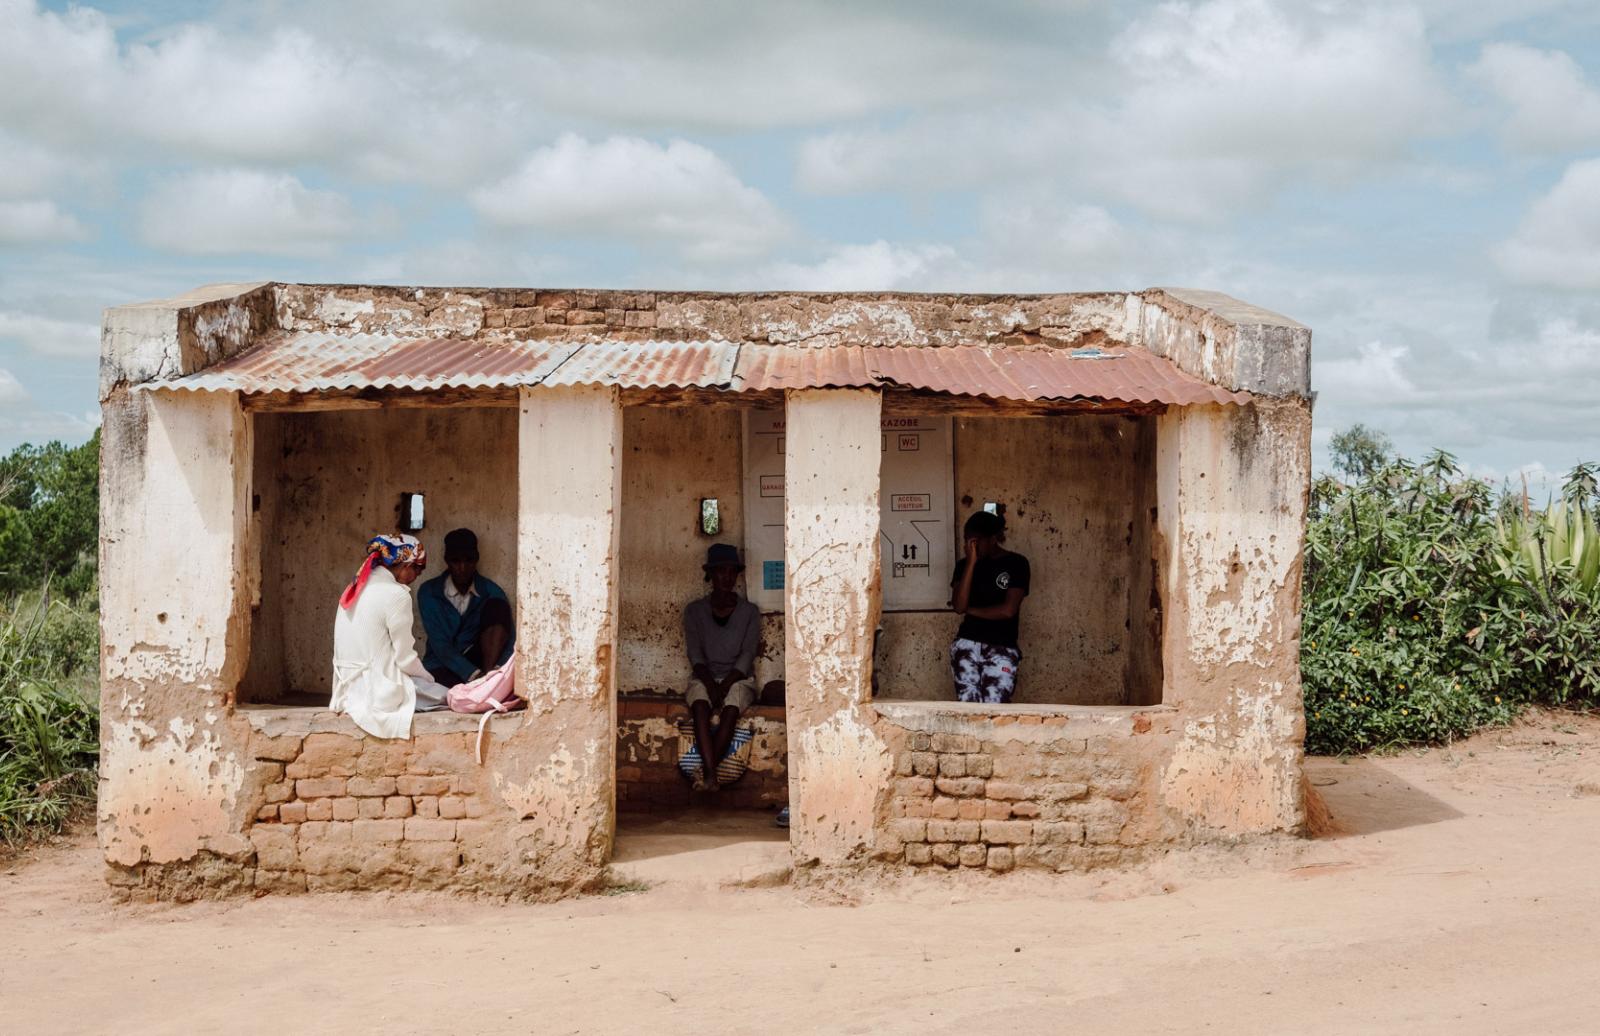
483,729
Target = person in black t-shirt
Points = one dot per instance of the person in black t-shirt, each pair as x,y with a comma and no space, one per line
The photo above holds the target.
987,591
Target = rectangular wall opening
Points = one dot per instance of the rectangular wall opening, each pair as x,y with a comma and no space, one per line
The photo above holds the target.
323,482
674,458
1079,497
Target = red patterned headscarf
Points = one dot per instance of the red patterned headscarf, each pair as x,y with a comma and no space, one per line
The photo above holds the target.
389,551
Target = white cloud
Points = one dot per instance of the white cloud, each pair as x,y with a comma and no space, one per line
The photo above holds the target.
49,336
449,94
1553,108
37,222
29,422
1558,243
750,66
1037,242
201,92
11,390
229,211
1375,376
878,266
1215,104
29,170
463,262
1040,242
624,187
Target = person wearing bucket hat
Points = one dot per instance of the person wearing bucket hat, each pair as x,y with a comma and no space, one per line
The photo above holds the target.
721,635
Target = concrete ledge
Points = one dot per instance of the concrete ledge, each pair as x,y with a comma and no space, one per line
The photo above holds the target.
167,338
646,707
292,721
1020,721
1225,341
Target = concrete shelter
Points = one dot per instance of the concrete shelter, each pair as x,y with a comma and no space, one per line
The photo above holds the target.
1151,451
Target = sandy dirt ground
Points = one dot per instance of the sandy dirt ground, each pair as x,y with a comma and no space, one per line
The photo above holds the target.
1462,895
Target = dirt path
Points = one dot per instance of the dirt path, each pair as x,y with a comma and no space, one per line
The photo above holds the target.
1464,896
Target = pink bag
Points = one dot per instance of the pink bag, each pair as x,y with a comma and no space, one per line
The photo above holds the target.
491,693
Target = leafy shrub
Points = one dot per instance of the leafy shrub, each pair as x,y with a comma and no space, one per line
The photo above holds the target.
49,720
1419,625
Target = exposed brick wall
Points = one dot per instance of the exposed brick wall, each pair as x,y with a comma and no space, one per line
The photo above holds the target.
338,810
814,318
347,811
1008,790
647,760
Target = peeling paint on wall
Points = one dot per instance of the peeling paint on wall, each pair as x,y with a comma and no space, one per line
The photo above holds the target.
1239,772
164,793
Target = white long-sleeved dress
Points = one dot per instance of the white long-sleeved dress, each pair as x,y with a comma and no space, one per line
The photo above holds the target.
377,677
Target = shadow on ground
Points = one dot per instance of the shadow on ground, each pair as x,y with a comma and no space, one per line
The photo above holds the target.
1363,796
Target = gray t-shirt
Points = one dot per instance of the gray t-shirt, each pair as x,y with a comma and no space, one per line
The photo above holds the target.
726,646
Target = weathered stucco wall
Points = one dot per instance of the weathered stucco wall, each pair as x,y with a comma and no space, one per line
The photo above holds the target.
327,480
560,767
174,626
166,338
1233,484
838,767
1223,340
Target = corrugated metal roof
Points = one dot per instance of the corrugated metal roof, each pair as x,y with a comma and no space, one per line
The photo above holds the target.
312,362
1022,373
649,365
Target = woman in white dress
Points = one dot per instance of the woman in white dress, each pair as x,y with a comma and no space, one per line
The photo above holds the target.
377,678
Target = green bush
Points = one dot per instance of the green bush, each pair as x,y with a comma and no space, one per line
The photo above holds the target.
1418,626
49,720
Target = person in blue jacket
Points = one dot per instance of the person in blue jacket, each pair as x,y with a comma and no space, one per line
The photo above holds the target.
466,617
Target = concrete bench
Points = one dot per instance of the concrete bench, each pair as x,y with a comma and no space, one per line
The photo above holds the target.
647,758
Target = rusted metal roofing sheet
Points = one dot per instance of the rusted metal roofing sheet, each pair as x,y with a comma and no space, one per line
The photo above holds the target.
314,362
648,365
1021,373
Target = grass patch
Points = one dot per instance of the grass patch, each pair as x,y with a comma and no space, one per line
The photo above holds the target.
49,715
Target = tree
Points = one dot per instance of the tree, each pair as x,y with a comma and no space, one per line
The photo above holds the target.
1359,451
49,514
16,551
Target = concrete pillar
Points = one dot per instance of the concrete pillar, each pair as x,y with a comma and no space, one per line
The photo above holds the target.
1232,484
174,605
559,771
837,764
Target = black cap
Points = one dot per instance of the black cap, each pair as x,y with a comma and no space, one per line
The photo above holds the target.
721,554
460,545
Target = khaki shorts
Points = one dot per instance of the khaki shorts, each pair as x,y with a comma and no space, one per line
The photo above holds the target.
741,695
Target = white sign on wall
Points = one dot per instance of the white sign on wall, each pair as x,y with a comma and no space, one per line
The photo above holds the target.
916,500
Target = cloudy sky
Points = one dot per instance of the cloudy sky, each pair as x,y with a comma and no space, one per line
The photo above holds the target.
1418,182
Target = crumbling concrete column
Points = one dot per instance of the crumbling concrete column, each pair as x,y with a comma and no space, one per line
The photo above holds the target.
838,765
558,772
1232,485
174,589
174,605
